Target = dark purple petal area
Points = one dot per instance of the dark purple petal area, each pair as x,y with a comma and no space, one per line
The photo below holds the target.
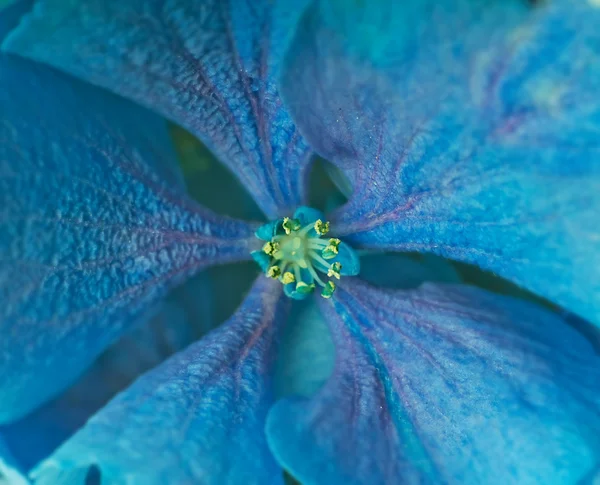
90,235
210,66
444,384
197,418
468,128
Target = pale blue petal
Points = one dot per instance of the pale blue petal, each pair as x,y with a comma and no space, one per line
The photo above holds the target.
210,67
306,215
468,128
10,472
198,418
90,236
186,315
444,384
307,353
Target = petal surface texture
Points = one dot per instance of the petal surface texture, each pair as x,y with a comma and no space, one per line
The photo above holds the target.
444,384
468,128
198,418
210,68
90,235
182,318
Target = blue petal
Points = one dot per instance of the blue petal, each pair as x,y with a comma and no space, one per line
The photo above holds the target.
306,354
210,68
198,418
349,260
467,128
9,468
10,15
262,259
180,321
90,235
290,289
306,215
444,384
268,230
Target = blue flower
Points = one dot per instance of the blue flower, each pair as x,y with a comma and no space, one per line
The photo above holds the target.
466,128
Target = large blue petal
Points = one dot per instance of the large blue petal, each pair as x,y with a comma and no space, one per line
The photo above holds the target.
468,128
306,354
198,418
180,321
90,236
444,384
210,67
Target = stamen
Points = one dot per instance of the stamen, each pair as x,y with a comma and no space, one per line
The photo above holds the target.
290,225
317,244
297,273
315,275
321,227
270,247
274,272
319,259
284,266
288,278
331,251
305,289
328,290
334,270
298,256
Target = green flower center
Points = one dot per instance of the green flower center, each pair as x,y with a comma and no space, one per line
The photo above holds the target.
300,254
303,248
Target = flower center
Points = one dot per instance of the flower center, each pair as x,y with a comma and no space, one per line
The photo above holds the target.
300,255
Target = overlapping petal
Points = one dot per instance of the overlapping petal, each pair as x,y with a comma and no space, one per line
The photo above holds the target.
10,471
467,128
178,323
306,353
211,67
445,384
198,418
90,235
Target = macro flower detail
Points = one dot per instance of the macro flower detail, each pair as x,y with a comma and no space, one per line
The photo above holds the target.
296,253
464,128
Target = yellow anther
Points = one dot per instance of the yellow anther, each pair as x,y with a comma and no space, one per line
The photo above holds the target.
287,278
328,290
270,247
290,225
331,250
274,272
321,227
334,270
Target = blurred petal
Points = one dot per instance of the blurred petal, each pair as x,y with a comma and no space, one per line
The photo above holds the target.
211,68
444,384
306,355
90,236
10,472
403,271
180,321
198,418
468,128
